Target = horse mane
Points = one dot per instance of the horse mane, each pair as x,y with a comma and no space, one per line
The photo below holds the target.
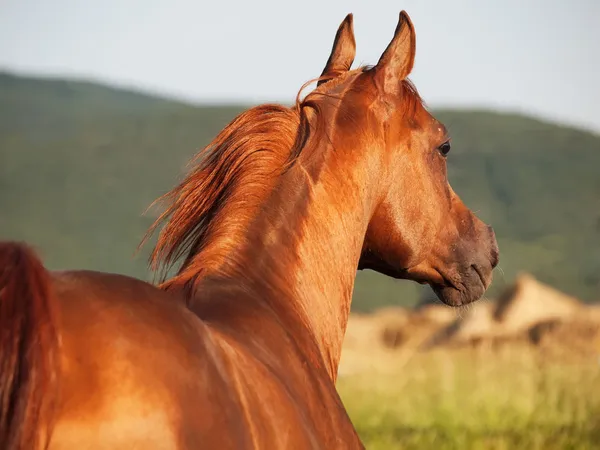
208,212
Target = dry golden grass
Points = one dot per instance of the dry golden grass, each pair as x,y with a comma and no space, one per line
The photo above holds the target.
521,375
507,397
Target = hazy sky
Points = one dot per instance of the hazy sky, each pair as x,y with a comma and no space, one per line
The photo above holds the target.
535,56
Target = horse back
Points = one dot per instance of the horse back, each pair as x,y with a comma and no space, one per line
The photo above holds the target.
140,370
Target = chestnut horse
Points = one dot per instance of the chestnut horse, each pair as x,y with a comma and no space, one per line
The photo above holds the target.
240,348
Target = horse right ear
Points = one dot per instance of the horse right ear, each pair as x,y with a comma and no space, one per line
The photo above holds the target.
342,53
397,61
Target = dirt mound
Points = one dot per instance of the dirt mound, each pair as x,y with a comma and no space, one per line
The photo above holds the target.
530,302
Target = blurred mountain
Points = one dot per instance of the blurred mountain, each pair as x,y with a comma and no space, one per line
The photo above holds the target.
80,162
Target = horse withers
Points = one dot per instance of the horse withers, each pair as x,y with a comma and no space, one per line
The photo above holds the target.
240,348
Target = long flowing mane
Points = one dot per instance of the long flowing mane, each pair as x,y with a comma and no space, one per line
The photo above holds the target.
208,211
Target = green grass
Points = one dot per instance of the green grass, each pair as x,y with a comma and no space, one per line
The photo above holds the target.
462,400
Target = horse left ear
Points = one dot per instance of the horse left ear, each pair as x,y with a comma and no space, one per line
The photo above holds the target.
398,59
343,51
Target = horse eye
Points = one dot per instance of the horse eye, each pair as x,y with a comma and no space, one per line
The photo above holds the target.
444,148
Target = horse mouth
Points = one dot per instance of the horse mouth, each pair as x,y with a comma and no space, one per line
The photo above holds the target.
454,289
471,288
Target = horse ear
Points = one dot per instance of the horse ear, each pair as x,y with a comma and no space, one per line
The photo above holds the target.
342,52
398,59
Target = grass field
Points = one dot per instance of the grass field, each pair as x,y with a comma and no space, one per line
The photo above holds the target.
512,398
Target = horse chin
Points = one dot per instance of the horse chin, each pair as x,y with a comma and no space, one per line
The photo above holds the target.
464,287
454,297
470,285
468,291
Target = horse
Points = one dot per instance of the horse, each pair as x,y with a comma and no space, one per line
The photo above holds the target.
237,344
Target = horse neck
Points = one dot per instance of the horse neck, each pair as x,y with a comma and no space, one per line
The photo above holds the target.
305,247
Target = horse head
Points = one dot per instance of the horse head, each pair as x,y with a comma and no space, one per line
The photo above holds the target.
419,227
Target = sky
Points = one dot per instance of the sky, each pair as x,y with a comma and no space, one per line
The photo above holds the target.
540,57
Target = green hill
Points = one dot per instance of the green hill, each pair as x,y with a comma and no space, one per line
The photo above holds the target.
80,162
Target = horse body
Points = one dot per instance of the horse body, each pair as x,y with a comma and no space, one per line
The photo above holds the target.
216,382
240,348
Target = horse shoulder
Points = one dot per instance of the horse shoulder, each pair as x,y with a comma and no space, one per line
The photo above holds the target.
129,355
